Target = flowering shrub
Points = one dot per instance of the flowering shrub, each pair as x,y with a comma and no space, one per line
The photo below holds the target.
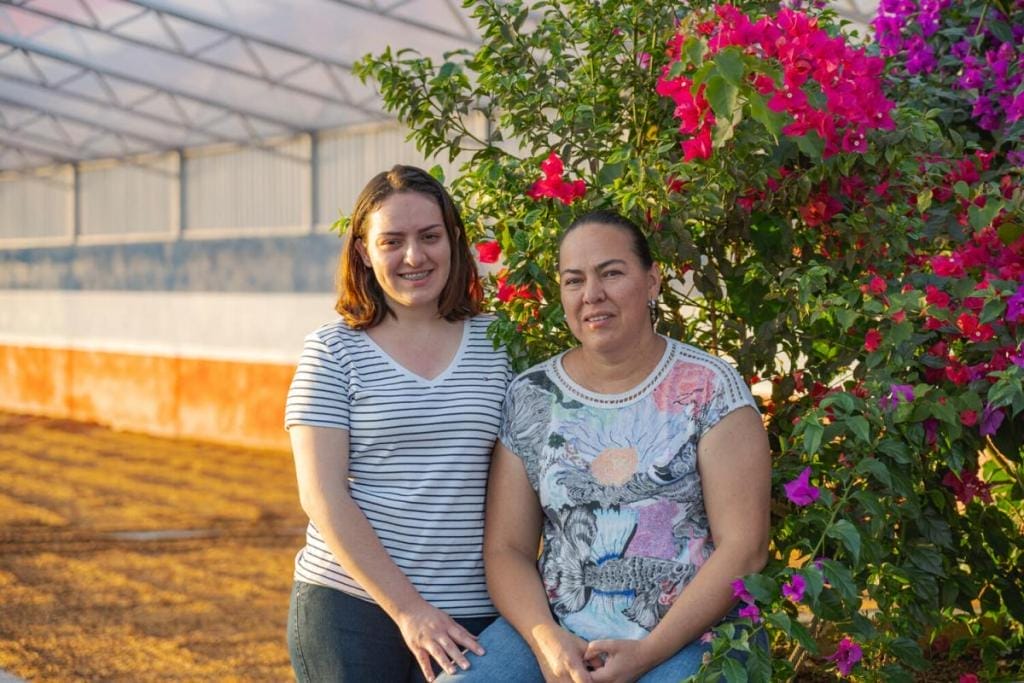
822,218
973,50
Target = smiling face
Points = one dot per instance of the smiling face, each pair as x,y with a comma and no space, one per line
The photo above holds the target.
407,247
605,288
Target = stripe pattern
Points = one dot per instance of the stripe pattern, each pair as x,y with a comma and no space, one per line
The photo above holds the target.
419,455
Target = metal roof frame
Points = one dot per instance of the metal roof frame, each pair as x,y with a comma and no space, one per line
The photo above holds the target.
88,88
166,75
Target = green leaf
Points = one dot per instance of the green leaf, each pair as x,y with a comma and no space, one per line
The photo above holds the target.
437,173
722,96
730,65
812,432
841,400
734,671
908,652
981,217
877,469
1010,231
924,199
759,111
811,144
846,532
840,578
803,636
814,580
763,588
927,559
860,428
759,668
781,621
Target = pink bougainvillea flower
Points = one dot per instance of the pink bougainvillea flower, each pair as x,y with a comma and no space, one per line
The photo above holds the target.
966,486
553,186
794,588
698,147
991,419
1015,306
552,166
751,612
799,491
968,678
739,590
876,285
872,340
936,297
488,252
968,418
846,656
896,393
507,292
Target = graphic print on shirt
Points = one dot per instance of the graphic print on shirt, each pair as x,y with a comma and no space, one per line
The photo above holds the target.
625,526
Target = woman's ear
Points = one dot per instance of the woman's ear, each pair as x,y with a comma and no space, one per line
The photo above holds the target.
654,276
361,250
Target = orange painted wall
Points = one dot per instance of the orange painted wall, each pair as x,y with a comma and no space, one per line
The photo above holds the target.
230,402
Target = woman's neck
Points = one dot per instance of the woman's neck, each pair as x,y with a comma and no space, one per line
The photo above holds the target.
614,372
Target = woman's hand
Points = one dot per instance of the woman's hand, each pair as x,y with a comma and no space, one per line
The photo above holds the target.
561,655
430,633
624,660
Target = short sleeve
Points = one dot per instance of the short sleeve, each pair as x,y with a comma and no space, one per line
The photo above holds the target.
319,392
507,429
729,393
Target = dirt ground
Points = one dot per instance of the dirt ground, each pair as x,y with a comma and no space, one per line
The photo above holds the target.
126,557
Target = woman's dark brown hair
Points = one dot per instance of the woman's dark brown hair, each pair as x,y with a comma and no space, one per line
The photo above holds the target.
361,301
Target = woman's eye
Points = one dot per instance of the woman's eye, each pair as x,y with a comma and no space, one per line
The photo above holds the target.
431,237
612,273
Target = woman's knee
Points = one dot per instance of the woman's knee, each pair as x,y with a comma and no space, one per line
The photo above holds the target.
507,659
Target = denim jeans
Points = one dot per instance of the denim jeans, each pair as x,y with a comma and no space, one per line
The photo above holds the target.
508,659
333,636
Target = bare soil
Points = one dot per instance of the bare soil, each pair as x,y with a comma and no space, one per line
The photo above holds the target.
126,557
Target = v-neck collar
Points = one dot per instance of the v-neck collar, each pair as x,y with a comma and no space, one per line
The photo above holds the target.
402,370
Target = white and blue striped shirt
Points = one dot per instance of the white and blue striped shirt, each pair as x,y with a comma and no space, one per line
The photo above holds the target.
419,453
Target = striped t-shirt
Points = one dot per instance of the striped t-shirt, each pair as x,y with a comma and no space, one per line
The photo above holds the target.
419,453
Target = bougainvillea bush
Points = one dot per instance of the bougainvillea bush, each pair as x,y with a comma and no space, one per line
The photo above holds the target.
839,217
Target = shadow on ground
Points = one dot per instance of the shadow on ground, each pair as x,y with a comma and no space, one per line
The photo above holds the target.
129,557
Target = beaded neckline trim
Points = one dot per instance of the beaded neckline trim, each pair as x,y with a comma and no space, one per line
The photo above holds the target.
578,392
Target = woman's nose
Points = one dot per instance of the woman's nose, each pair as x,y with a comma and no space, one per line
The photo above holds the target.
593,292
413,253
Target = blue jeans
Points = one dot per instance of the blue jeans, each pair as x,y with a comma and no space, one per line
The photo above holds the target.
333,636
508,659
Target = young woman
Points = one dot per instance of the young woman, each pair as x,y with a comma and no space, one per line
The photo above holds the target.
642,463
393,414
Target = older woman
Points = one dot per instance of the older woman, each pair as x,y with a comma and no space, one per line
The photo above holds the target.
393,415
642,463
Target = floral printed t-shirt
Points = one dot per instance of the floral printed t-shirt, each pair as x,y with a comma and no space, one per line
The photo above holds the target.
625,527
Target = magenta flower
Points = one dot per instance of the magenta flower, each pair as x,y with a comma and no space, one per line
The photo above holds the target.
751,612
991,418
846,656
794,588
897,392
739,590
800,492
967,486
488,252
1015,306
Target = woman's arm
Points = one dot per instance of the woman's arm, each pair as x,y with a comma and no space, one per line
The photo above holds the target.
321,466
511,540
735,469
